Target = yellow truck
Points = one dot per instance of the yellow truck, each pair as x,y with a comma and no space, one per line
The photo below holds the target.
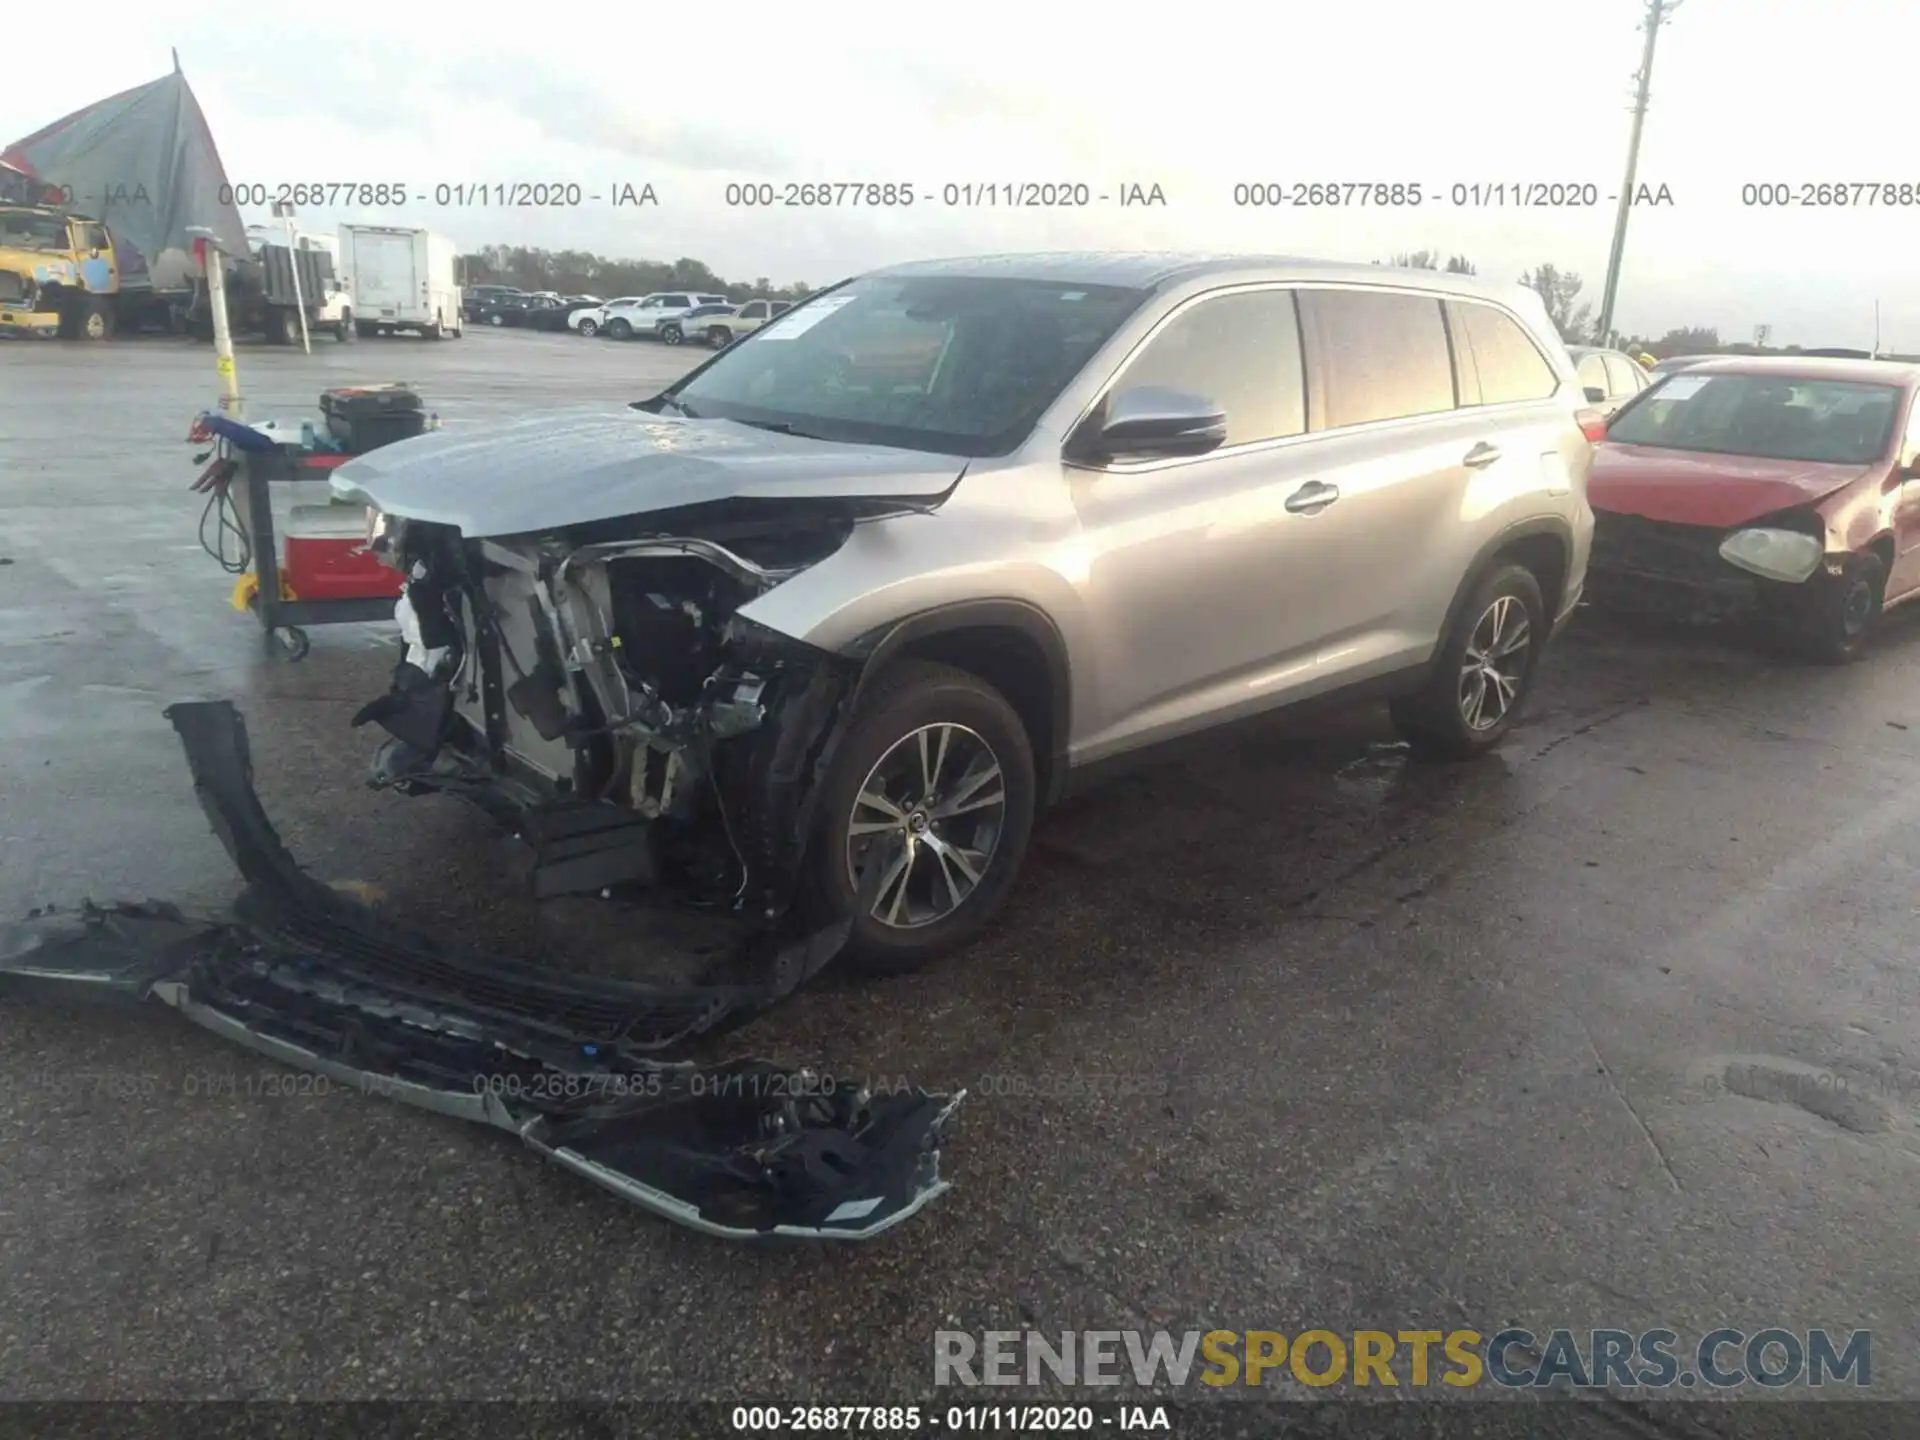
58,273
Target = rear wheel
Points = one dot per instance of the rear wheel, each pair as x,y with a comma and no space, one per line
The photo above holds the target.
287,326
619,329
923,818
719,337
1483,673
587,327
671,334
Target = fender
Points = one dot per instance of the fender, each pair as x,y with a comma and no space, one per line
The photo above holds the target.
875,648
1553,525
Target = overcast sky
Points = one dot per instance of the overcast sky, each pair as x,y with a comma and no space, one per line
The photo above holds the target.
1194,98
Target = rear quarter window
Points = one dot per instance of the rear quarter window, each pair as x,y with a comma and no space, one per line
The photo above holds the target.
1499,353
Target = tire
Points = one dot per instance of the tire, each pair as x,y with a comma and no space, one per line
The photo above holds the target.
588,328
1448,718
620,330
287,327
719,337
86,319
672,334
362,329
1838,618
496,319
432,332
346,329
903,923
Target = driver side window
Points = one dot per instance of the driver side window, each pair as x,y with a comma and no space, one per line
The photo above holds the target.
1910,447
1241,351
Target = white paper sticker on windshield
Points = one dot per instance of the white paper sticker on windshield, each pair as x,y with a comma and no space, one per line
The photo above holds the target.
1679,387
801,321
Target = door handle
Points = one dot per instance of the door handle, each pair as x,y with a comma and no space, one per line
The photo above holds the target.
1481,455
1312,497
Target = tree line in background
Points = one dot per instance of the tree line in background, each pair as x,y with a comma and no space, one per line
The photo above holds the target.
576,272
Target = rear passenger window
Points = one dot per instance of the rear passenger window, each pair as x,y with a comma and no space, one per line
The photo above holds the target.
1240,351
1593,374
1383,356
1509,364
1620,372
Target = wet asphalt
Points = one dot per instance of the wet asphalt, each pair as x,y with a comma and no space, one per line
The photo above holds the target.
1616,1028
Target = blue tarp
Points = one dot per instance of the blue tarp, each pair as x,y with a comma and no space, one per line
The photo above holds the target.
144,162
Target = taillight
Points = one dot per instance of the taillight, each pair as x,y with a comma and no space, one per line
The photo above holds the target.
1592,424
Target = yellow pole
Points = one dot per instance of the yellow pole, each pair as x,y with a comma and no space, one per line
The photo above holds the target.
230,402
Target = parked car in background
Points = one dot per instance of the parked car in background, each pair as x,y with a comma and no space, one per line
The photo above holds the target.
744,320
554,313
592,320
477,299
873,596
690,323
1783,486
643,317
1609,378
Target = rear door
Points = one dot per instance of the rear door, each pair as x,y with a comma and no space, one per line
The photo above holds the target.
1398,454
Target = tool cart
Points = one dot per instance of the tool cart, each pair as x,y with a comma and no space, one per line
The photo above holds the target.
301,559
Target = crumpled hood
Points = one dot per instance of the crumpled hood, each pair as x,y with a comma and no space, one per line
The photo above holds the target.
1689,487
573,467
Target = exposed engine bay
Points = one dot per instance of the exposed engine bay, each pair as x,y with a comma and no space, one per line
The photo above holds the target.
598,690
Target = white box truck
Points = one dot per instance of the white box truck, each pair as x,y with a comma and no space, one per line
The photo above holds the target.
401,279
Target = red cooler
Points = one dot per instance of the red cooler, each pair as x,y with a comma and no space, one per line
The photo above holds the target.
326,556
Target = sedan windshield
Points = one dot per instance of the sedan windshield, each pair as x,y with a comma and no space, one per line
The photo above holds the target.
953,365
1769,417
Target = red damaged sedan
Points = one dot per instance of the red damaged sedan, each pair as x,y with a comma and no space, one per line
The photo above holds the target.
1779,486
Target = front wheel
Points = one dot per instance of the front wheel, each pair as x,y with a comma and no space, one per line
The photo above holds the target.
1840,612
1483,672
923,818
346,329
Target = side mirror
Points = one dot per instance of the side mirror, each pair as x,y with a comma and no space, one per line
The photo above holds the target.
1596,394
1149,422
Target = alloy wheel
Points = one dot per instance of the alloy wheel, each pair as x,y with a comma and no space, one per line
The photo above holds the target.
1494,664
929,814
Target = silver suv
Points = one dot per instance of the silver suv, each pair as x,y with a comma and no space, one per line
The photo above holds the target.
818,630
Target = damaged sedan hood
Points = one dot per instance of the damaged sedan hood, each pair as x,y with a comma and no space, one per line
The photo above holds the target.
1694,487
574,467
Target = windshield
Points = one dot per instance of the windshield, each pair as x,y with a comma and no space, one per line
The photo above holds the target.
30,230
953,365
1837,422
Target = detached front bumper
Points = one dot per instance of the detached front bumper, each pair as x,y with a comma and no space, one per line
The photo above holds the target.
574,1066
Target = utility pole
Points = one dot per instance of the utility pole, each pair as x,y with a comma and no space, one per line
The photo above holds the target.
1658,12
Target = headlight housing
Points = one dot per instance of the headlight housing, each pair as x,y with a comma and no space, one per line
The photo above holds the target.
1785,555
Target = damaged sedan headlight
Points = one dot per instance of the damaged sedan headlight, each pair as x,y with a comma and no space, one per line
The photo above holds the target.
1784,555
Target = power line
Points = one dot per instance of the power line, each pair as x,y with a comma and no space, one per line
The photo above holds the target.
1658,13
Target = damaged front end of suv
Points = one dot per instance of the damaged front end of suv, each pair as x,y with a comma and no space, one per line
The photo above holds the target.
605,698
